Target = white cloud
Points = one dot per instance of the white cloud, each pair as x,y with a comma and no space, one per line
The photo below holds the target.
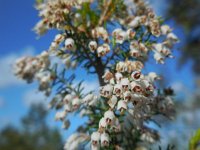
34,97
7,77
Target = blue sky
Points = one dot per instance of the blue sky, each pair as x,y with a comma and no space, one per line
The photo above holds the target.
17,39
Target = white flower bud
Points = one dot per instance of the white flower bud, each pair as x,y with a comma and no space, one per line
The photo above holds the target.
116,32
104,139
118,76
59,38
136,75
172,37
130,33
68,107
95,138
121,37
68,98
44,55
122,105
135,22
109,116
88,98
102,123
135,53
60,115
107,90
101,51
76,102
107,76
113,101
69,44
159,57
117,89
127,96
92,46
135,87
152,76
165,29
125,83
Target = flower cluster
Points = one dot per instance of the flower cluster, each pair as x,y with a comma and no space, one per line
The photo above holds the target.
128,97
35,68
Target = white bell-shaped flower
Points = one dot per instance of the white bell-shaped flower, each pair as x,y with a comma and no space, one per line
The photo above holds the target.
92,46
69,44
136,87
172,37
102,123
68,107
148,86
106,47
112,102
121,37
88,98
136,75
121,67
134,45
95,138
101,51
125,83
107,76
152,76
104,139
59,38
76,103
68,98
121,106
143,48
60,115
159,57
165,29
136,98
135,22
130,33
127,96
116,32
117,89
107,90
109,116
118,77
135,53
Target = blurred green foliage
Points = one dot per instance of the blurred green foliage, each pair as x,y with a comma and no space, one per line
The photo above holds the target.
194,143
34,134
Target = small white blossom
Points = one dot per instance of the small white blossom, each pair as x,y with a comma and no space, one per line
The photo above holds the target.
92,46
122,105
127,96
159,57
102,123
136,87
125,83
95,138
172,37
60,115
109,116
165,29
104,139
113,101
69,44
117,89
